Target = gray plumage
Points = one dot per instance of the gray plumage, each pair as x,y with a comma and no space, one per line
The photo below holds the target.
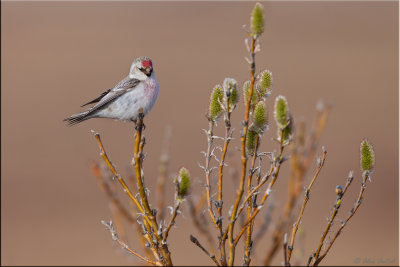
126,85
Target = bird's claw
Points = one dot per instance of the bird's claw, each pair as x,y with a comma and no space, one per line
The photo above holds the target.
139,125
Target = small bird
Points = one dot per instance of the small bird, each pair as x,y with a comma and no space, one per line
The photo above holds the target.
122,102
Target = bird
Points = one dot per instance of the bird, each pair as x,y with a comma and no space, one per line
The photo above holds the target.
137,91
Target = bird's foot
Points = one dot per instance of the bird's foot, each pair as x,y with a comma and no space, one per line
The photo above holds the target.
137,125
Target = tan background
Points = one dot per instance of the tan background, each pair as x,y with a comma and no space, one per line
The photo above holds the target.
56,56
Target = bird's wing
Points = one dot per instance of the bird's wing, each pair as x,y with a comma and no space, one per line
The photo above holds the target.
97,99
110,95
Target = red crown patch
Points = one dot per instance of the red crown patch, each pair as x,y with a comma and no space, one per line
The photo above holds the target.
147,63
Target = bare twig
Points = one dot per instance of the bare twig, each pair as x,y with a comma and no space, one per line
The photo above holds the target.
138,170
138,158
249,242
228,137
172,221
300,163
285,246
105,187
116,205
115,237
197,243
147,222
150,222
115,173
310,258
306,198
239,192
255,189
207,169
351,214
275,174
197,216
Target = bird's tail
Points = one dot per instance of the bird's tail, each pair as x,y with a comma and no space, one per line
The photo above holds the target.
77,118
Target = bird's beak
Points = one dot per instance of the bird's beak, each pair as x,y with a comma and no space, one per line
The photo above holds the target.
148,71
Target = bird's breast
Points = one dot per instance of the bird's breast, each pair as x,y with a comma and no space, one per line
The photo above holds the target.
150,88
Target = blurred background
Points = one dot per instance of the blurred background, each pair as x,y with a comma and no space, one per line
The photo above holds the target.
58,55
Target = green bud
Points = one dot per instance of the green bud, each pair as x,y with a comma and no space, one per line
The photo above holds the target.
246,88
251,139
281,112
265,84
230,89
183,182
260,117
257,20
234,98
367,156
215,109
287,130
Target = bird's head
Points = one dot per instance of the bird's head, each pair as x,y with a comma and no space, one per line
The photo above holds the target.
141,68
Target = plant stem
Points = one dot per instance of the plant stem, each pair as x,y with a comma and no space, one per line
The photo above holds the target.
275,175
306,198
351,214
138,170
248,245
114,201
239,193
299,167
196,216
285,257
172,221
197,243
220,175
210,139
116,238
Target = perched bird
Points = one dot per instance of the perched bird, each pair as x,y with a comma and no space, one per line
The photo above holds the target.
138,90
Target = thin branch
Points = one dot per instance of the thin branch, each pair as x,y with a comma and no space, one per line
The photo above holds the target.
196,216
115,237
254,190
115,173
351,214
310,258
305,201
328,226
285,246
300,163
105,187
197,243
228,137
208,170
116,205
138,170
172,221
147,222
249,243
138,159
239,193
275,174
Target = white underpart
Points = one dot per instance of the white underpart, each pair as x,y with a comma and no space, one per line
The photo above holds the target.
126,107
